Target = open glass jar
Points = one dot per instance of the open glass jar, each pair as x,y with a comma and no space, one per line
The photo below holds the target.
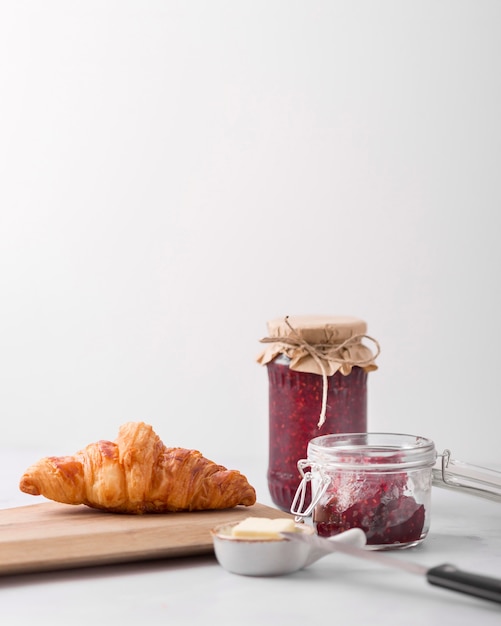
379,482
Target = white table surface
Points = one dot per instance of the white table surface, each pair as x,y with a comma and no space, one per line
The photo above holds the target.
465,531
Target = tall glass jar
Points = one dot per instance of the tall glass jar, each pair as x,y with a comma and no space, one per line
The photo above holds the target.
317,372
379,482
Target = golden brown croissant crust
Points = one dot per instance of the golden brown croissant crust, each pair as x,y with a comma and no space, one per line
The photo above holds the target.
137,473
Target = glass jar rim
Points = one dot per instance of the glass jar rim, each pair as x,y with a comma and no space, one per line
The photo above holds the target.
375,451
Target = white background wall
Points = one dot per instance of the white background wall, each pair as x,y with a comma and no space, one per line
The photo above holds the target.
174,174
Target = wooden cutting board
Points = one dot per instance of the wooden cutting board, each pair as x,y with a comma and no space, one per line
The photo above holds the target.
52,536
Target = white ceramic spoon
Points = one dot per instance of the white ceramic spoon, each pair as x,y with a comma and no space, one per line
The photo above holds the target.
251,557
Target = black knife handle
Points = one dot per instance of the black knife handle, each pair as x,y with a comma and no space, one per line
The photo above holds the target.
477,585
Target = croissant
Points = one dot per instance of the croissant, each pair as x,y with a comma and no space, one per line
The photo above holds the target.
138,474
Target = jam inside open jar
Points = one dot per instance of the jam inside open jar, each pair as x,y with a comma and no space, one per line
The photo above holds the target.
379,482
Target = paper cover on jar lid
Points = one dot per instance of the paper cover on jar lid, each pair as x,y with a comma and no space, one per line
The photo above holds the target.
319,344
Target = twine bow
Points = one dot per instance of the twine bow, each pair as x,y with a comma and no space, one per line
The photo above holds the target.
325,352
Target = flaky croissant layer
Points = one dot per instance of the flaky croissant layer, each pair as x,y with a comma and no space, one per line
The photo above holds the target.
137,473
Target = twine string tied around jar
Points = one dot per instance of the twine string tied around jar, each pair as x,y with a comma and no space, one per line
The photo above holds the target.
325,352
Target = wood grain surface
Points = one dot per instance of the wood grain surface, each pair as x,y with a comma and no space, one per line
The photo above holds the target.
52,536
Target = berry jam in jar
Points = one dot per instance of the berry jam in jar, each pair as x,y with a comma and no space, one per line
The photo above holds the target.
379,482
317,373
